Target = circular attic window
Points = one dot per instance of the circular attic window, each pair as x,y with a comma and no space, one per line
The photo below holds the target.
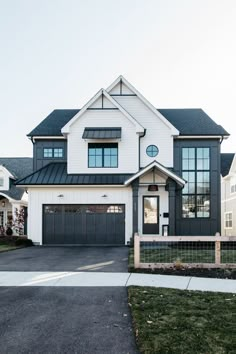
152,150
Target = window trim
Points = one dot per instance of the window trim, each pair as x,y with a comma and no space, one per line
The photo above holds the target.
152,145
195,171
228,227
103,146
2,179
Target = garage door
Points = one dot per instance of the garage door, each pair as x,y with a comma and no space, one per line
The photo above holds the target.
84,224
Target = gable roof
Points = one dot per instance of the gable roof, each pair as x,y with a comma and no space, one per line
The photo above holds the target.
193,121
121,78
18,167
226,160
139,128
159,167
55,173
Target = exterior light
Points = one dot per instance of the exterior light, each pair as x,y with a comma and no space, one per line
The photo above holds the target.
153,188
3,203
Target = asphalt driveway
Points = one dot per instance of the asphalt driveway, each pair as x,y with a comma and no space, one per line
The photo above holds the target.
99,259
65,320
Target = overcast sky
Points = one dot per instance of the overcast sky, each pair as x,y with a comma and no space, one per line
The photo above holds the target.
59,53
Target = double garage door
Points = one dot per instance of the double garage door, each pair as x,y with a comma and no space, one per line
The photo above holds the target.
84,224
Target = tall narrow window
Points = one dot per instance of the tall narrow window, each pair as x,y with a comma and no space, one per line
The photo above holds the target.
196,193
228,220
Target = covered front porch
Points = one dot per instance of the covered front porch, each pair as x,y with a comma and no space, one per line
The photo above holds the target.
154,200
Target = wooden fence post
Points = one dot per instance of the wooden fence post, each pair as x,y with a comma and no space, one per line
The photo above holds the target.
217,252
136,250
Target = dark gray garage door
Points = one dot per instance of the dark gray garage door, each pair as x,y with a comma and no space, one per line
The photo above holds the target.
93,224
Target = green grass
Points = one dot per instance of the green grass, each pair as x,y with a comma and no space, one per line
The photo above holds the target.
171,255
182,321
4,248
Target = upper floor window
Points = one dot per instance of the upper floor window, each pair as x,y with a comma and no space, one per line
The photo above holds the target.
228,220
53,152
152,150
196,193
233,188
103,155
1,181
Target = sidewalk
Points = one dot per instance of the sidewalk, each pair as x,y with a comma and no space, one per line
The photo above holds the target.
84,279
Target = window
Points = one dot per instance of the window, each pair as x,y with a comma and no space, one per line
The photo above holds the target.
53,152
1,181
103,155
152,150
228,220
196,193
233,188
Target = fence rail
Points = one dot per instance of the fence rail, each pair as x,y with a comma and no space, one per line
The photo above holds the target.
184,251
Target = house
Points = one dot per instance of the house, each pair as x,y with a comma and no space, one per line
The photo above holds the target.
12,198
119,166
228,194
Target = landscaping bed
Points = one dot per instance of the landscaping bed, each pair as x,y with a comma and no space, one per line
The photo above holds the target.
8,243
183,321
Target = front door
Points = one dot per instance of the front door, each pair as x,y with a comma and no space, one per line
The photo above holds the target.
151,215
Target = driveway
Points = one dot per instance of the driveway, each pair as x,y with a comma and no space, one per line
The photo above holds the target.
99,259
65,320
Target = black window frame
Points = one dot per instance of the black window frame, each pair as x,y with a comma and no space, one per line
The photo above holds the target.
103,146
195,195
53,153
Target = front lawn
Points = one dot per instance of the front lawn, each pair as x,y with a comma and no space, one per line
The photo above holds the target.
182,321
7,248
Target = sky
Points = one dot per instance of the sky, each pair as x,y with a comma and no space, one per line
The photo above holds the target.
59,53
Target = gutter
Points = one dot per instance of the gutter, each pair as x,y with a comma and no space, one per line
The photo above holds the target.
139,155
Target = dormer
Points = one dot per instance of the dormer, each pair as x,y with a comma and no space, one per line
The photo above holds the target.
5,178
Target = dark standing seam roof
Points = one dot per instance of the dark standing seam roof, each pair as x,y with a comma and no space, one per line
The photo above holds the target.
226,162
54,122
56,174
18,167
102,133
193,121
187,121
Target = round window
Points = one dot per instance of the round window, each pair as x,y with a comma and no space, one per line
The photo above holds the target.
152,150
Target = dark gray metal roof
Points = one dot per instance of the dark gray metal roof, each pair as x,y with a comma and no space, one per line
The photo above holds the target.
187,121
54,122
192,121
56,174
226,162
18,167
102,133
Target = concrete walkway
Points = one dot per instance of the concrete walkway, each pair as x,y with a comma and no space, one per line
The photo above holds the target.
103,279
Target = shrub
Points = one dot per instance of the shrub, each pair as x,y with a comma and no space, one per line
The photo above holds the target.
23,242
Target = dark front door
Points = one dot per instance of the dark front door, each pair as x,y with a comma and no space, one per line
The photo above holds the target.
151,215
84,224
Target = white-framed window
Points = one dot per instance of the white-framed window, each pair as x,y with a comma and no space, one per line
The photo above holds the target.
1,181
233,188
228,220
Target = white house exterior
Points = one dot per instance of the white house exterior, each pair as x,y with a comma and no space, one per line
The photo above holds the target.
228,195
114,167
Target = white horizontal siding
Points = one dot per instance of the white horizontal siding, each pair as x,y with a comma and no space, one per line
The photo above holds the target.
157,132
102,103
5,177
228,204
127,146
40,196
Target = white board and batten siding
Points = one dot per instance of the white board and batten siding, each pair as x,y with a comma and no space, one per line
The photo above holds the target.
75,195
128,159
157,132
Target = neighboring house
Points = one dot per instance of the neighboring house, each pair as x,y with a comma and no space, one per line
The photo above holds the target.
12,198
120,166
228,194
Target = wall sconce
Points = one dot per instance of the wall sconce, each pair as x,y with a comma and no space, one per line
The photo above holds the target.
153,188
60,196
3,203
104,196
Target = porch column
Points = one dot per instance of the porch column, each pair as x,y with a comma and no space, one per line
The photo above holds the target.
135,187
171,187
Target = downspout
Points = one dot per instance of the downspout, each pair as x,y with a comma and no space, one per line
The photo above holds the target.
139,154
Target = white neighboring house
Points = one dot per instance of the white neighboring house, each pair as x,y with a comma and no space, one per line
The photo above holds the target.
228,194
119,166
12,198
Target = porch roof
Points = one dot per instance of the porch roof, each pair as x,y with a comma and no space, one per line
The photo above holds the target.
159,167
